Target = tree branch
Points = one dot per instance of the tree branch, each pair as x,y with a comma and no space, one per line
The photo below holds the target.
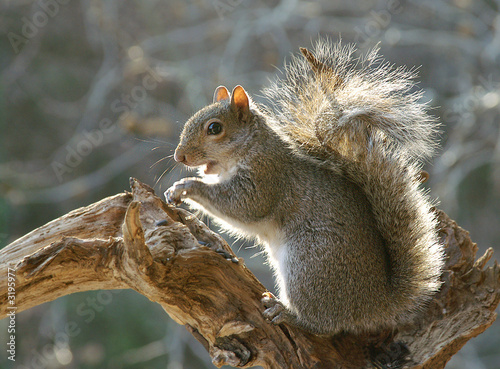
134,240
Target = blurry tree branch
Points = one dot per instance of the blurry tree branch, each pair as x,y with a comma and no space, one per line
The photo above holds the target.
134,240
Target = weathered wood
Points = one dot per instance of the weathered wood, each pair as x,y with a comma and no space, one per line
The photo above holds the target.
135,240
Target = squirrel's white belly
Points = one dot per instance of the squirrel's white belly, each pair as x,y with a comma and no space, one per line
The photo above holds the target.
274,244
277,254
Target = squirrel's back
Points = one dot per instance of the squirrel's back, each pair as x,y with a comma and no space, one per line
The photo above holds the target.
362,117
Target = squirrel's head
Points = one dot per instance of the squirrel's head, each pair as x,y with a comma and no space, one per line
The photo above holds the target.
214,135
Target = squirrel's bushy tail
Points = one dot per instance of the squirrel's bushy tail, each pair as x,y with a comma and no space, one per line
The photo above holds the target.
363,115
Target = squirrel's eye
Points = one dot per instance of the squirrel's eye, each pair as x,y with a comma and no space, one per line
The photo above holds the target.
214,128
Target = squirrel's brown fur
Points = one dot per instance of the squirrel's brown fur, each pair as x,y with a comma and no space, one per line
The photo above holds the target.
327,181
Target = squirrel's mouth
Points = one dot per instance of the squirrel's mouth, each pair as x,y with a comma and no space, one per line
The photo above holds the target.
210,168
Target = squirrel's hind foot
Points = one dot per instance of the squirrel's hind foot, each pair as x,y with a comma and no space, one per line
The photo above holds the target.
390,356
275,311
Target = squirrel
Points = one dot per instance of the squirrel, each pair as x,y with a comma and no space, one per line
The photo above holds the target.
327,180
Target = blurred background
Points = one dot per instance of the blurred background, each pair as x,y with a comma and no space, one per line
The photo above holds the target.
94,92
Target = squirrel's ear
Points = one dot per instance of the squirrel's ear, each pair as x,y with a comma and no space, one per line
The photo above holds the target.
221,93
240,102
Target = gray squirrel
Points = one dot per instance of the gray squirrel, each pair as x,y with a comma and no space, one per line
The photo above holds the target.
327,181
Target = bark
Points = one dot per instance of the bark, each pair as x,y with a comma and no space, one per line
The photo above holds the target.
135,240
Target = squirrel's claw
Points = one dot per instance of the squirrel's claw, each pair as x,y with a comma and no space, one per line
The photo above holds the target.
275,311
178,191
173,196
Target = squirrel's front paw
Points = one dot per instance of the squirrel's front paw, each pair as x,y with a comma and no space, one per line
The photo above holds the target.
179,190
275,311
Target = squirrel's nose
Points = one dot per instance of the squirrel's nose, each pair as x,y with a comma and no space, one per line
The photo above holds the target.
179,156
